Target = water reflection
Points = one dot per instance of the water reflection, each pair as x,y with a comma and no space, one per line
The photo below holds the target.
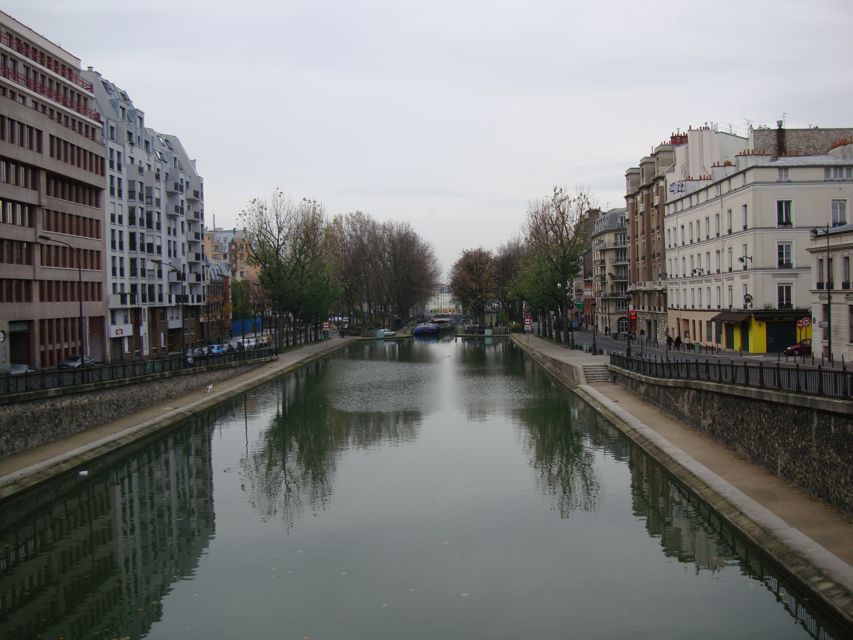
293,465
93,557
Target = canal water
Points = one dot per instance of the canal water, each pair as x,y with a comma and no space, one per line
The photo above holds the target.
398,490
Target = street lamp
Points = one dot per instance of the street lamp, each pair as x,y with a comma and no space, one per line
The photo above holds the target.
743,260
79,289
594,324
180,274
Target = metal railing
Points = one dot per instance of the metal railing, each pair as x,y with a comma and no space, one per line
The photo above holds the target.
815,381
46,379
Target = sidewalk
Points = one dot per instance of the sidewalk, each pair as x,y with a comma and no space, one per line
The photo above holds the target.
29,468
792,526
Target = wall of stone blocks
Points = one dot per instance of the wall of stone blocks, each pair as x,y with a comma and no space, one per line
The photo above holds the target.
807,447
26,425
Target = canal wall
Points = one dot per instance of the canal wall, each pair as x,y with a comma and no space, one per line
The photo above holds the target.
41,420
805,440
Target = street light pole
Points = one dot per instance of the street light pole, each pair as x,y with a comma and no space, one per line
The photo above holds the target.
594,324
828,298
44,238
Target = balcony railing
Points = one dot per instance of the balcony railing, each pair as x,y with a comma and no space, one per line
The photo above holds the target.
51,95
38,56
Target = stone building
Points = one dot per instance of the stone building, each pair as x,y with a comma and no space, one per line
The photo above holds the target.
155,216
52,178
610,272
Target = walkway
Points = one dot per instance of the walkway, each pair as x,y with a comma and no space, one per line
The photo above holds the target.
795,525
24,470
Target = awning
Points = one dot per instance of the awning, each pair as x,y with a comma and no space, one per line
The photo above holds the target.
732,316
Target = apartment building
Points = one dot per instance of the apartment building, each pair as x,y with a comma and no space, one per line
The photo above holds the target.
610,272
737,245
659,177
154,213
52,180
216,242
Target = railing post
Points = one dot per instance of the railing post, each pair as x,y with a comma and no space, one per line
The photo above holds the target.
797,370
778,386
745,374
760,375
819,380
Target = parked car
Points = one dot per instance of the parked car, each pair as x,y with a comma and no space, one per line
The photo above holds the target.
216,349
802,348
76,361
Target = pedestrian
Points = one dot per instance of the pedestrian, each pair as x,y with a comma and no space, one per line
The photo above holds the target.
668,342
642,335
678,342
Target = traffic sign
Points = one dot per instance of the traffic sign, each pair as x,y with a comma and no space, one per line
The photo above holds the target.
806,322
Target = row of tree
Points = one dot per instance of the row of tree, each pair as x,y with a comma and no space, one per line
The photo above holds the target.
532,274
311,267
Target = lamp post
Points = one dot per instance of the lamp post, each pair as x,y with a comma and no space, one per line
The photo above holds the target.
180,274
594,324
744,260
79,288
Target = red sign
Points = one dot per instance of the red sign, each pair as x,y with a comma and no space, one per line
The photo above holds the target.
632,315
528,321
325,325
806,322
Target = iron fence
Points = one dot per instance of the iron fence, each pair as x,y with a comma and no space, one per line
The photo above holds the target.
816,381
46,379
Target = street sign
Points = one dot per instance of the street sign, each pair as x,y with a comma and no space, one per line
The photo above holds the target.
326,325
806,322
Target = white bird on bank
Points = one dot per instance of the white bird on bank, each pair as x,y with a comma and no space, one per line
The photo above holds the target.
209,388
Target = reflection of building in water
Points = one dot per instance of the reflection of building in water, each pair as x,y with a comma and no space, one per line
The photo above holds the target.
97,560
672,518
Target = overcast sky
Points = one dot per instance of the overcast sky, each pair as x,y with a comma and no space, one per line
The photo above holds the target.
451,114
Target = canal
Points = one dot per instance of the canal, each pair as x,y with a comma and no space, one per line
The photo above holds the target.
398,490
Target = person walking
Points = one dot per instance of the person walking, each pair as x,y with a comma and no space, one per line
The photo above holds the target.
678,342
668,342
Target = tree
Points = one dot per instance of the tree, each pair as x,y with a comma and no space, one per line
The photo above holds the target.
508,259
557,230
241,304
472,280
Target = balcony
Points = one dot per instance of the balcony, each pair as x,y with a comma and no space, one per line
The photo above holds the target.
784,265
43,90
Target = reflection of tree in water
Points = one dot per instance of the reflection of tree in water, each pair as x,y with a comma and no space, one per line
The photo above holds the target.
294,464
560,453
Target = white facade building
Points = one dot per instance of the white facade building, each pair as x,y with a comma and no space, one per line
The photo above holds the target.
832,296
154,218
739,272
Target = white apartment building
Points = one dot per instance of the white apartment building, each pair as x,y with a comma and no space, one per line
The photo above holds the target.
154,218
738,268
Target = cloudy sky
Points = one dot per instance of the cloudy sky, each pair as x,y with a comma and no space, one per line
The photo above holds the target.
451,114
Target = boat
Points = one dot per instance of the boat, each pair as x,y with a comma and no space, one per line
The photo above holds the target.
443,322
426,329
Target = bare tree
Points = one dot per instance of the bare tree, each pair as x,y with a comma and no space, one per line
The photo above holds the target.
473,281
556,230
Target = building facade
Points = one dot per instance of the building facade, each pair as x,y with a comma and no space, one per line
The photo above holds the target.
155,216
52,178
737,240
610,272
831,250
673,166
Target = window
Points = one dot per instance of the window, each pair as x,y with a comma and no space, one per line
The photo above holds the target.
782,175
783,296
719,298
717,224
845,272
707,228
783,213
744,292
731,296
717,260
839,212
783,255
682,234
743,215
820,273
731,259
729,220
